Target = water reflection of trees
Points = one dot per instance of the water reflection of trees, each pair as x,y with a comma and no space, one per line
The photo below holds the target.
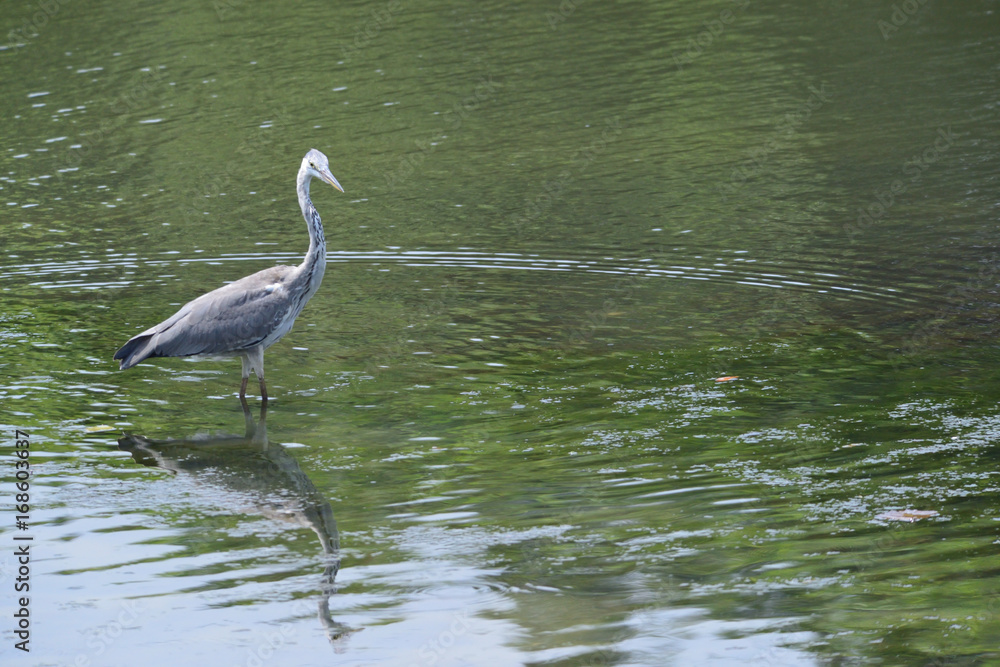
263,478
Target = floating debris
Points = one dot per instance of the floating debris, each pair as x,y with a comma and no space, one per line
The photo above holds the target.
907,515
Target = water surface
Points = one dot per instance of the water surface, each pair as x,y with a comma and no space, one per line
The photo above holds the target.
653,333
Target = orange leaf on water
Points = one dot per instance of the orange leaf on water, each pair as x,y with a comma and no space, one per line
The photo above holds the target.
907,515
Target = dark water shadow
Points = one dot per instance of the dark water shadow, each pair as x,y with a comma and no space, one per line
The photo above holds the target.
270,480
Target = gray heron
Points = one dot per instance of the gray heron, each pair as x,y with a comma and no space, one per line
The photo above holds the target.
244,318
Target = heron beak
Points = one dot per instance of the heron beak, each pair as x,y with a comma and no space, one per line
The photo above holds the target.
328,177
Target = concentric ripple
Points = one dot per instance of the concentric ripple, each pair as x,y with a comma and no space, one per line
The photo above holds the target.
733,267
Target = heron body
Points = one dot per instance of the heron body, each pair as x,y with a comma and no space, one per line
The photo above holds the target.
245,317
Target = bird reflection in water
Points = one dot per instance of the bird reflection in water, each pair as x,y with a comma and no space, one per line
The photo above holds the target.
264,478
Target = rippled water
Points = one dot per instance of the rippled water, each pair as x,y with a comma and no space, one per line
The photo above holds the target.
735,267
652,333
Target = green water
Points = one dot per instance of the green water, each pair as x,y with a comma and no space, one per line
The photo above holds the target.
647,327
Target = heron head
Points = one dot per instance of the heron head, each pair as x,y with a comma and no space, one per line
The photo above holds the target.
318,166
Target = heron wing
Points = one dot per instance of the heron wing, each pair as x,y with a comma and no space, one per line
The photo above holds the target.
235,317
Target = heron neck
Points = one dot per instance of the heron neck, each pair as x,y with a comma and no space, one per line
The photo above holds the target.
315,261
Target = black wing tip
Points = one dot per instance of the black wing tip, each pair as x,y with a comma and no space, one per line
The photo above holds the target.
123,361
129,354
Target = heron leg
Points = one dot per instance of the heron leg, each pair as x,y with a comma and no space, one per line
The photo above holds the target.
254,360
246,376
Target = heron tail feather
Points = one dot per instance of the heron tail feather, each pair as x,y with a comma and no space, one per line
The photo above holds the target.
134,351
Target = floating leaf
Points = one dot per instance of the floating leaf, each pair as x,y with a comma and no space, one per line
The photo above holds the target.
907,515
848,446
